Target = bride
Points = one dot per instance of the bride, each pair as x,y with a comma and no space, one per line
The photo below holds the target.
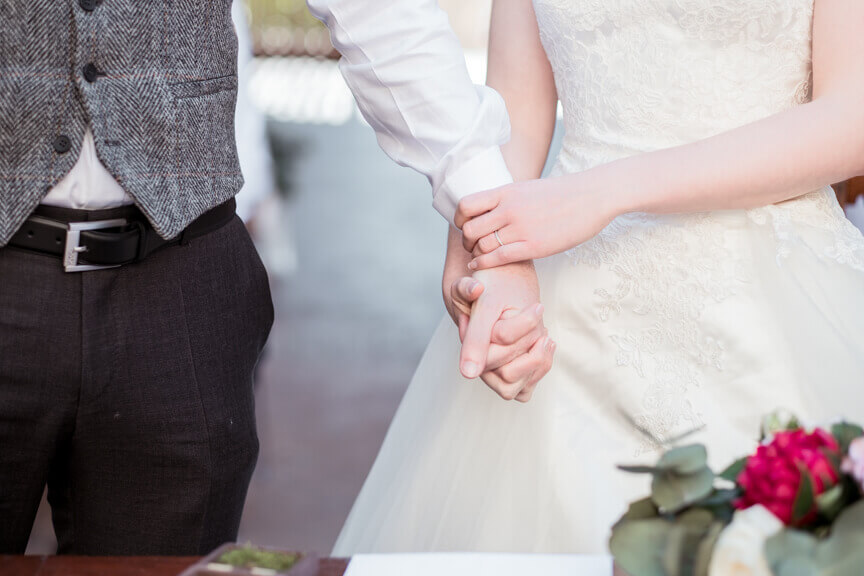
697,271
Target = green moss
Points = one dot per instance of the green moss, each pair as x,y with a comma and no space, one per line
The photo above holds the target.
251,557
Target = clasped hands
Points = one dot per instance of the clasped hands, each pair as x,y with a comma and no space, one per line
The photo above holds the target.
498,311
500,320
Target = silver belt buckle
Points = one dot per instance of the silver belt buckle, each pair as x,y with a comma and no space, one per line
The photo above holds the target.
74,249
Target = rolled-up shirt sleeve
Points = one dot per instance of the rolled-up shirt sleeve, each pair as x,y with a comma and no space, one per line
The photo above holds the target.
406,68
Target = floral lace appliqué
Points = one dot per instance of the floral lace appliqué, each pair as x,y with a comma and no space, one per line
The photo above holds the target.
668,270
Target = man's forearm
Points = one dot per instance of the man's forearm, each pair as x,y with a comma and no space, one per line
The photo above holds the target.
456,262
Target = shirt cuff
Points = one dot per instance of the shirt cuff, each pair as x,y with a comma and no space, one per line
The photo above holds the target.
485,171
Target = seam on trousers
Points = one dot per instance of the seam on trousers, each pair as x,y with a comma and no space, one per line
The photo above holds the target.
210,470
72,504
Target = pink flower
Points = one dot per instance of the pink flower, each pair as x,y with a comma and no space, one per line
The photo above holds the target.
853,464
772,476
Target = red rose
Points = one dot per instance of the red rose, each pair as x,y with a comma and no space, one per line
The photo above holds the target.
773,475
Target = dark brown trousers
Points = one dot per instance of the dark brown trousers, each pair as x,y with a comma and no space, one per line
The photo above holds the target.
129,393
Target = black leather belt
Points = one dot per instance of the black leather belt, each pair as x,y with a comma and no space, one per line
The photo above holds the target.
87,244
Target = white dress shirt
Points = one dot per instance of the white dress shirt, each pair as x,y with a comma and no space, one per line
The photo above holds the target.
89,185
407,71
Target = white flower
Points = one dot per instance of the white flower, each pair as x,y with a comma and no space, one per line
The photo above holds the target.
740,548
854,463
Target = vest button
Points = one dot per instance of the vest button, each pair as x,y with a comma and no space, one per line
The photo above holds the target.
88,5
62,144
90,72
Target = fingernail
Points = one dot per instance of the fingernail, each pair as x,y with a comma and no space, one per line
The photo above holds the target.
472,286
470,370
472,265
539,310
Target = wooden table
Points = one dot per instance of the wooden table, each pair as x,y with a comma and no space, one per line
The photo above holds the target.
87,566
140,566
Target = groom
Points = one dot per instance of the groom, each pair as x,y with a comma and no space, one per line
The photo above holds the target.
133,306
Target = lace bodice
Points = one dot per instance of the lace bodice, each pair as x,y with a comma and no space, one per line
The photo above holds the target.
635,76
638,75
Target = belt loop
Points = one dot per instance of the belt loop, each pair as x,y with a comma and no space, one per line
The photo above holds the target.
142,241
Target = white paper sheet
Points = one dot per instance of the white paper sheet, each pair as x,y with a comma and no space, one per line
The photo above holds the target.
478,565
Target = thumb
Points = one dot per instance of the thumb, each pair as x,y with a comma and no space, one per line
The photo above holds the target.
478,336
462,323
464,292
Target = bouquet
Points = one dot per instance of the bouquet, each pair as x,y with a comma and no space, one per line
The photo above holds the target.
794,508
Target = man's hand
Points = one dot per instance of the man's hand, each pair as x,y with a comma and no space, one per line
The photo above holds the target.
500,322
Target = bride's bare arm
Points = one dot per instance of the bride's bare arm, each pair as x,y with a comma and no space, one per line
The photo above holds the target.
521,73
769,161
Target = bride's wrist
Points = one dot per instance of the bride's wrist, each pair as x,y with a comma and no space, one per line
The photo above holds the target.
611,197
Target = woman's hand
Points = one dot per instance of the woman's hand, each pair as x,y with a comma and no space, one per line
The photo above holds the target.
533,219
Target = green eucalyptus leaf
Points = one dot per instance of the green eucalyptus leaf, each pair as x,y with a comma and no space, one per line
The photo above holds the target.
840,557
706,549
641,509
831,503
671,492
792,553
723,514
842,553
684,460
789,543
722,497
674,563
638,546
686,533
851,521
734,470
640,469
720,504
805,500
849,565
845,433
696,519
798,567
797,553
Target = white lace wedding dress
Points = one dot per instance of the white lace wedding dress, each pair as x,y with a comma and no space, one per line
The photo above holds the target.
664,323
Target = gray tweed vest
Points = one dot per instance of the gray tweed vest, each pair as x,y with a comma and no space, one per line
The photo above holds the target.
156,82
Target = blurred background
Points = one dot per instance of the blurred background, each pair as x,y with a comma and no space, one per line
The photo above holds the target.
355,253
